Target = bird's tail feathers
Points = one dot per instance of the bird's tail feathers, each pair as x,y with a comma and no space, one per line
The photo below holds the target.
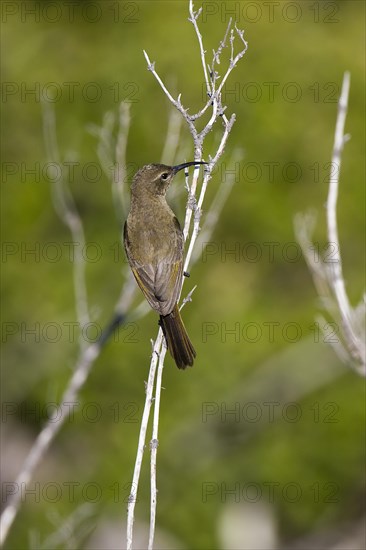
178,342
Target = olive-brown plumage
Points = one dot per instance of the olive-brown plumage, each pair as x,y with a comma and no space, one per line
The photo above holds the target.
154,245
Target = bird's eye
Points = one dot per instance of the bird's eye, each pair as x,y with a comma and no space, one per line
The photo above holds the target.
164,176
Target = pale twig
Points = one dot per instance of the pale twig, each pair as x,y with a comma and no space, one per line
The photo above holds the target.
191,202
197,219
337,279
337,345
142,438
198,206
193,206
111,153
217,109
154,445
216,207
104,133
328,278
215,95
233,60
158,356
66,209
176,102
193,19
68,533
188,298
120,175
160,350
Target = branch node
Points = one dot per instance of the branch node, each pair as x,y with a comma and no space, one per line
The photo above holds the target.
154,443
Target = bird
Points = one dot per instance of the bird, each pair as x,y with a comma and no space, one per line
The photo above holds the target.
154,245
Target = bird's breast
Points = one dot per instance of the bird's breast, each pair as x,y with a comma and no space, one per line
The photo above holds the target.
152,233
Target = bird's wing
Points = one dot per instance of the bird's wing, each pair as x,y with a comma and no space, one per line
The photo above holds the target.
160,282
144,274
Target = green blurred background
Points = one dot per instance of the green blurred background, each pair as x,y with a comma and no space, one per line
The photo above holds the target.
264,437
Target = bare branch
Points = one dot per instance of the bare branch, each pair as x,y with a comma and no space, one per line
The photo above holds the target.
112,153
216,207
154,446
188,298
327,276
304,227
66,209
105,145
193,19
234,61
337,280
71,530
142,438
191,202
198,206
119,179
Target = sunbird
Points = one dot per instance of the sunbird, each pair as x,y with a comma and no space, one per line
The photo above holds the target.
154,245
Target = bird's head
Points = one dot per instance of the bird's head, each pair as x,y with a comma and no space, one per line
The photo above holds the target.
156,178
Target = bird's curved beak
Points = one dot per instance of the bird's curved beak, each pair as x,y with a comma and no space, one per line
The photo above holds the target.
186,164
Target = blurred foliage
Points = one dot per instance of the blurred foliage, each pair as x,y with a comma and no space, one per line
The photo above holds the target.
301,50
